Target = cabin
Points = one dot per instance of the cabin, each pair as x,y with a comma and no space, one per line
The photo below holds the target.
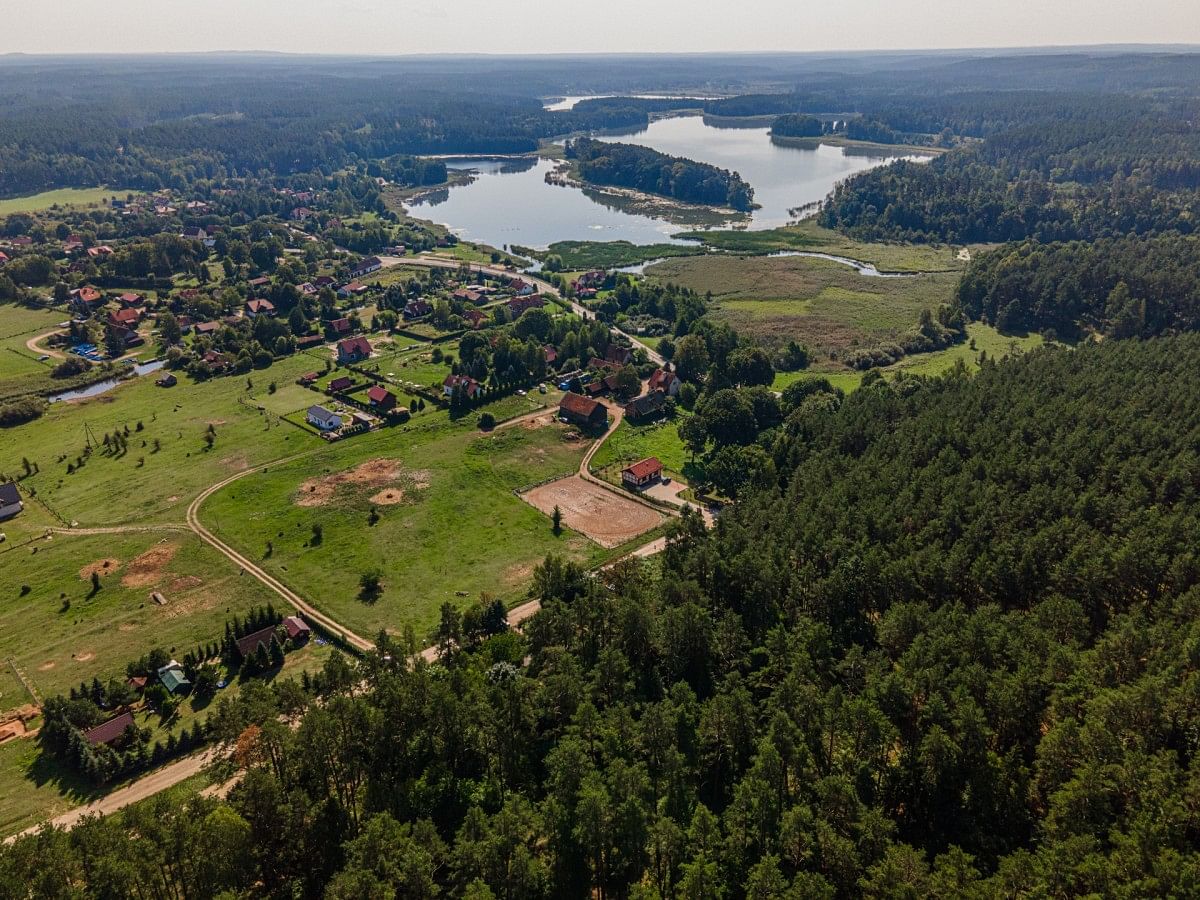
297,629
647,405
309,340
665,382
260,281
352,289
581,411
207,327
520,287
416,309
130,299
323,419
469,387
341,326
380,398
476,317
10,501
172,678
640,474
110,732
167,380
194,233
260,308
622,356
521,304
125,318
341,383
551,354
353,350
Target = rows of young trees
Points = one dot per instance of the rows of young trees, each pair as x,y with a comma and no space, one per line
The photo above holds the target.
644,169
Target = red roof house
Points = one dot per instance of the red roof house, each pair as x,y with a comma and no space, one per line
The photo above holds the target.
353,349
111,731
381,398
642,473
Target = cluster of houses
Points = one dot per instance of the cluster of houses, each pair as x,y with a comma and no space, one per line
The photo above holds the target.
587,412
175,681
588,284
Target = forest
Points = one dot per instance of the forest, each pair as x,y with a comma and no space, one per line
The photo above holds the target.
945,647
1119,287
644,169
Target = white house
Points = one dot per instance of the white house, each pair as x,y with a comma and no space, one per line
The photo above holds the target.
324,419
10,501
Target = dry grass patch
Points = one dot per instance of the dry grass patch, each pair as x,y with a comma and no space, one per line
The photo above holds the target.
372,474
146,569
106,566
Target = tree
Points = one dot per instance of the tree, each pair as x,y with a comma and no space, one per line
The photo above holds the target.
749,366
628,383
691,359
728,418
370,586
556,521
169,331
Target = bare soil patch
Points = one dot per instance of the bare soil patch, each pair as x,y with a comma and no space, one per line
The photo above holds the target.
374,473
47,666
84,657
604,516
105,566
146,569
185,582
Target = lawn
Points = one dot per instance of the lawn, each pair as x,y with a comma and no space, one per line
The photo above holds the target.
144,484
59,633
60,197
630,442
449,524
826,305
17,325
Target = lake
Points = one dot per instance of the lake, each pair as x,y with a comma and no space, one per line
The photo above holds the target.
509,202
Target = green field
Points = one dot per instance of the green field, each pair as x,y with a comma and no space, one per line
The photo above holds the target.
456,529
17,325
986,338
629,443
60,197
826,305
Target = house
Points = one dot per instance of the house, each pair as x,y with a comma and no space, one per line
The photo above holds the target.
125,318
519,305
260,281
309,340
353,350
381,398
475,316
167,380
416,309
73,243
87,295
3,257
207,327
642,473
466,295
366,267
352,289
324,281
595,388
131,299
10,501
341,383
217,361
323,419
579,410
172,678
468,386
300,213
645,406
297,629
248,645
341,326
260,308
551,354
136,683
102,250
592,279
521,288
601,365
308,378
111,731
308,289
194,233
665,382
622,356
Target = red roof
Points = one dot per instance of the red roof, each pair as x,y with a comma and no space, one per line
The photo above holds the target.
340,325
579,405
107,732
351,346
661,380
125,317
340,384
644,469
260,306
296,626
249,644
377,394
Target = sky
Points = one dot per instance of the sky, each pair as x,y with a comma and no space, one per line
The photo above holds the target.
546,26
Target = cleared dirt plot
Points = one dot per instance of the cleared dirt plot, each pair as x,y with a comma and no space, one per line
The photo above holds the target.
606,517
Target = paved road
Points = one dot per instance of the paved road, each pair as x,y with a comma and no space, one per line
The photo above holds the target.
545,287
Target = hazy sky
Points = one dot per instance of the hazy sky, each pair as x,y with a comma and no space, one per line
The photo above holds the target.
540,26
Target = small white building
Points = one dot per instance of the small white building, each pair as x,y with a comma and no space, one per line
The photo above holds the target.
324,419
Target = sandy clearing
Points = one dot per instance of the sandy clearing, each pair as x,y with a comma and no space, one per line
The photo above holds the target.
105,566
388,497
603,515
146,569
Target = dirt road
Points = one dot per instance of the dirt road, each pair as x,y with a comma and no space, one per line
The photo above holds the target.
32,345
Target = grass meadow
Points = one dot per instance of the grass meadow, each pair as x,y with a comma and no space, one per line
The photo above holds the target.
60,197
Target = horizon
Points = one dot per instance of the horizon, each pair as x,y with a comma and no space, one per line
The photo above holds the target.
315,27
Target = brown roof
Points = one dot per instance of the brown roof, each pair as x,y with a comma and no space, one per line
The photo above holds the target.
107,732
249,644
341,383
644,468
296,626
578,405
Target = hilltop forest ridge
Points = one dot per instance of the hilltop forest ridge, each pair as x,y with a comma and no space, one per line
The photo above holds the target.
850,552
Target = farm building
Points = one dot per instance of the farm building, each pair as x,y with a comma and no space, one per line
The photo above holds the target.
341,383
324,419
167,380
366,267
622,356
645,406
10,501
581,411
111,731
248,645
642,473
664,381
